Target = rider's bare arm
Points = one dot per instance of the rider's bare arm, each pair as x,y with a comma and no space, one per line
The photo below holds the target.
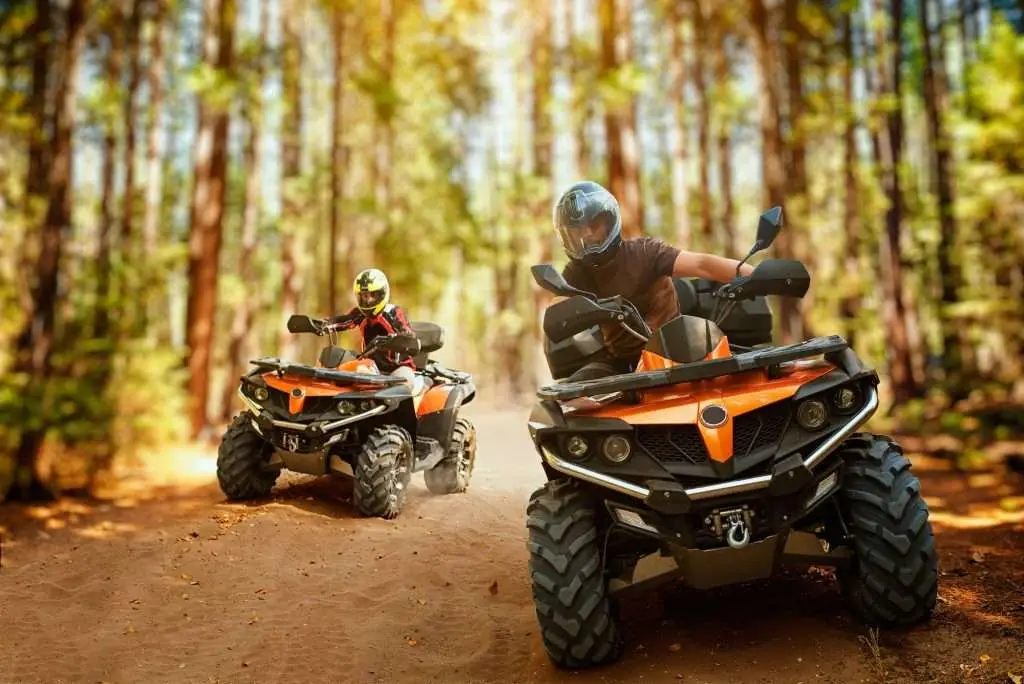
709,266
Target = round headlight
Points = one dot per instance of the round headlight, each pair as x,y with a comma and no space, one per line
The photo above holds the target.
576,446
365,405
811,414
261,394
616,448
346,407
845,399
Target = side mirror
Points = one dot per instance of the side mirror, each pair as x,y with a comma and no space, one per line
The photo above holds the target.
551,280
298,323
768,227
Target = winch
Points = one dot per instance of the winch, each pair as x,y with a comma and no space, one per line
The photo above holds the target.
732,524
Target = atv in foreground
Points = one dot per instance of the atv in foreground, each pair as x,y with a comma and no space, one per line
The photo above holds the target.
344,417
713,464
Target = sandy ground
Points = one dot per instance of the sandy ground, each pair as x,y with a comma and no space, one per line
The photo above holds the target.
179,586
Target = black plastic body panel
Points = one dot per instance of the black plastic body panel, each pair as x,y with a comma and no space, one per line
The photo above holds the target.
748,325
344,377
439,425
702,370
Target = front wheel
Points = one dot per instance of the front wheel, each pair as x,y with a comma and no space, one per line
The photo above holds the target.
578,625
240,460
453,473
894,579
382,473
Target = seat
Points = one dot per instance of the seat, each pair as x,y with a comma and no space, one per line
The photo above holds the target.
431,337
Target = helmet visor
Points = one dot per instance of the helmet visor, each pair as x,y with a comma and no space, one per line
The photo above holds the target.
580,238
369,299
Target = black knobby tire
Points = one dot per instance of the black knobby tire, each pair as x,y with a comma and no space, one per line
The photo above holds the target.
452,474
577,619
894,580
240,459
382,473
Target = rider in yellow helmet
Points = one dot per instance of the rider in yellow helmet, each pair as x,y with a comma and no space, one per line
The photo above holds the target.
375,315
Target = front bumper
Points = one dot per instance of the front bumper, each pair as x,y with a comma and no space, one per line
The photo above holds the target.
788,476
303,437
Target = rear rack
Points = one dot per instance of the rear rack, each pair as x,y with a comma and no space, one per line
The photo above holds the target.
691,372
272,363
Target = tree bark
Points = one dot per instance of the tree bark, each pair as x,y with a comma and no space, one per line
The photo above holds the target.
154,161
114,63
796,190
850,306
633,199
291,166
207,212
936,102
723,77
252,161
41,28
703,124
543,139
901,366
338,155
582,103
612,116
679,75
134,78
39,331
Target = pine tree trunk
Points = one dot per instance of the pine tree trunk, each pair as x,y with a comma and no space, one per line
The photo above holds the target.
772,168
338,157
703,124
680,184
935,102
796,191
39,332
901,366
850,306
582,104
543,139
113,70
612,117
632,200
291,167
129,263
154,163
207,213
723,77
252,161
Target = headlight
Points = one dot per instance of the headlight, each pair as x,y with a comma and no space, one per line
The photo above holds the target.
845,399
261,394
616,448
576,446
811,414
365,405
346,407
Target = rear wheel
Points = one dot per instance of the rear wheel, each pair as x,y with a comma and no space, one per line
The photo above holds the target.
452,474
577,620
894,579
382,472
240,460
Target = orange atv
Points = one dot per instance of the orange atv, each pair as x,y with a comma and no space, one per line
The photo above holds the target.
713,464
344,417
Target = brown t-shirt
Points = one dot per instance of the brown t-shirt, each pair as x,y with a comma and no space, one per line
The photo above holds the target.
641,272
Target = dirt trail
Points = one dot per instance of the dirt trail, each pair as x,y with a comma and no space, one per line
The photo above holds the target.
187,588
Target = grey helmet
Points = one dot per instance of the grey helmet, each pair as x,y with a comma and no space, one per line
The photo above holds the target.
589,225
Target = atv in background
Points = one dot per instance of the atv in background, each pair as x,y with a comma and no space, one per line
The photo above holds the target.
344,417
713,464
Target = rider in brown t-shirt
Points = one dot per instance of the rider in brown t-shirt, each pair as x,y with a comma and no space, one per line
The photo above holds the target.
587,220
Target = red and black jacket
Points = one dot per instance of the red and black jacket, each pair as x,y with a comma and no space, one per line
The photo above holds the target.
390,321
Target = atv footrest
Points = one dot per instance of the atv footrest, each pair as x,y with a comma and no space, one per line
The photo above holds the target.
701,370
428,453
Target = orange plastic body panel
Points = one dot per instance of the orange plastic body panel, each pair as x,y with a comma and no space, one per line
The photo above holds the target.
739,393
314,388
434,400
650,361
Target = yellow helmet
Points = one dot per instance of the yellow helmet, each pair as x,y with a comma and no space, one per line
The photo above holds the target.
372,291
